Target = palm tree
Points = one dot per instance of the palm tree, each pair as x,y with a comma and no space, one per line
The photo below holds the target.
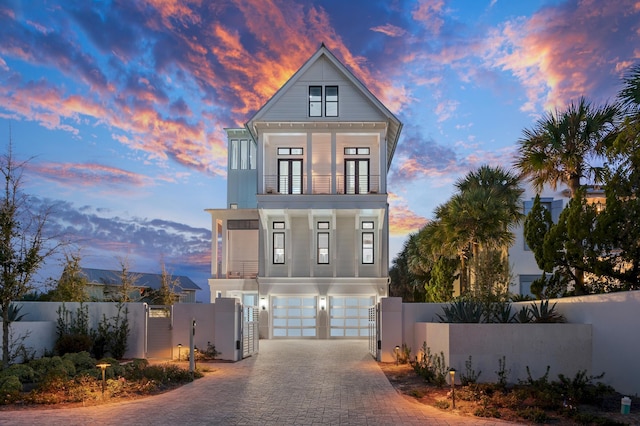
480,216
565,147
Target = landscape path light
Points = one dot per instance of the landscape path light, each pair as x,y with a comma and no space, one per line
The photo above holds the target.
103,366
452,375
397,355
179,350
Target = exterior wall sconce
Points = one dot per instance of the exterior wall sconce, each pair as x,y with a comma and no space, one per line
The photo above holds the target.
397,350
263,303
323,303
452,375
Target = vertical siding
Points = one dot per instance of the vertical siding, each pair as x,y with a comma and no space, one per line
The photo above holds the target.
345,247
321,145
300,247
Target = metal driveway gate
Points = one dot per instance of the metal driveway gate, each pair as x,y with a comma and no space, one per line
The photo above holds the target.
250,330
374,330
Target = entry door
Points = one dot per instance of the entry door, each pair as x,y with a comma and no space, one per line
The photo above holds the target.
294,316
290,176
356,176
349,316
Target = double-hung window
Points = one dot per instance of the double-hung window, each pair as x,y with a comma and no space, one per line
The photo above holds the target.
278,243
320,102
323,243
367,242
315,101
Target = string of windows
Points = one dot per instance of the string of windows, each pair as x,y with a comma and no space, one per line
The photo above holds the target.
242,154
322,243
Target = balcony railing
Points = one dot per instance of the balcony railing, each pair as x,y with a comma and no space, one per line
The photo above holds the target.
242,269
321,184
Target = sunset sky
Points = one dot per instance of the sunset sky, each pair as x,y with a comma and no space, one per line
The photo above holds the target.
121,104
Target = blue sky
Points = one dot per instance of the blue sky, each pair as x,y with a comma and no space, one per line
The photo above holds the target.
121,105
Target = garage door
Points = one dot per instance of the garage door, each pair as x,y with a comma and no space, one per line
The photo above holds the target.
349,316
294,316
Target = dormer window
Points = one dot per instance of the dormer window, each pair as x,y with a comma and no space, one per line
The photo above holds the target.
318,104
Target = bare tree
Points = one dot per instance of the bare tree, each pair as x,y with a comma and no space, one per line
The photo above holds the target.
23,245
166,294
72,285
128,282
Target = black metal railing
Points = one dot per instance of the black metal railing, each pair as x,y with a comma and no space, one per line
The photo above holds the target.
322,184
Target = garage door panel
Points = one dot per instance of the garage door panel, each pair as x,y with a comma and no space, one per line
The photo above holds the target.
294,316
349,316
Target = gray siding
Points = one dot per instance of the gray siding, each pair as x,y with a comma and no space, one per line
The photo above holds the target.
300,247
293,105
345,247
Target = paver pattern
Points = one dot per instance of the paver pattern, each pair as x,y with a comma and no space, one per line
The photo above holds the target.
290,382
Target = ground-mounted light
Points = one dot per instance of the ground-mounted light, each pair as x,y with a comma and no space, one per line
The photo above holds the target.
397,350
103,366
179,351
452,375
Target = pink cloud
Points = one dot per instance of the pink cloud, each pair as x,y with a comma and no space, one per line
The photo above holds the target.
88,174
402,220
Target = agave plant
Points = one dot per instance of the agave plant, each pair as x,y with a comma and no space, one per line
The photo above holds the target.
523,315
462,311
14,313
546,314
501,313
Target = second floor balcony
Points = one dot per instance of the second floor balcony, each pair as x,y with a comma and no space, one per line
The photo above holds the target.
322,184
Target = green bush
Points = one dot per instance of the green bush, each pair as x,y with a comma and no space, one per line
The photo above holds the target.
23,372
135,369
83,362
10,388
71,343
54,367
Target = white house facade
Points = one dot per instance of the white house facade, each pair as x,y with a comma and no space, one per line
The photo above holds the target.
304,237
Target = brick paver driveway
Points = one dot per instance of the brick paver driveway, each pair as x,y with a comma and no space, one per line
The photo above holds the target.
291,382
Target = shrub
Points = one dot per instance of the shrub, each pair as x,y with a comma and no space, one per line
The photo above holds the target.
23,372
135,369
82,361
10,388
49,368
70,343
470,375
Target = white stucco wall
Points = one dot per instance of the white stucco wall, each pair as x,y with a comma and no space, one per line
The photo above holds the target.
39,337
183,314
565,348
614,319
48,311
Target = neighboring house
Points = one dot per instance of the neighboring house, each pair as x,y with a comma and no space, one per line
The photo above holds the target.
524,268
105,285
305,235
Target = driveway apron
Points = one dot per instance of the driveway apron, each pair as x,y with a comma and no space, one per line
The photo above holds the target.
290,382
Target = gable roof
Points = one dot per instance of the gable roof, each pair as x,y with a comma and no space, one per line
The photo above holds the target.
394,126
153,281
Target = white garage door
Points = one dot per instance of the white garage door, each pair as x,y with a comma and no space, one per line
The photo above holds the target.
294,316
349,316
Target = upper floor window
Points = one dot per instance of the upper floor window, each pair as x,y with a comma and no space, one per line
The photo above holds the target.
243,154
331,103
356,176
278,247
367,248
323,247
316,101
356,151
290,151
